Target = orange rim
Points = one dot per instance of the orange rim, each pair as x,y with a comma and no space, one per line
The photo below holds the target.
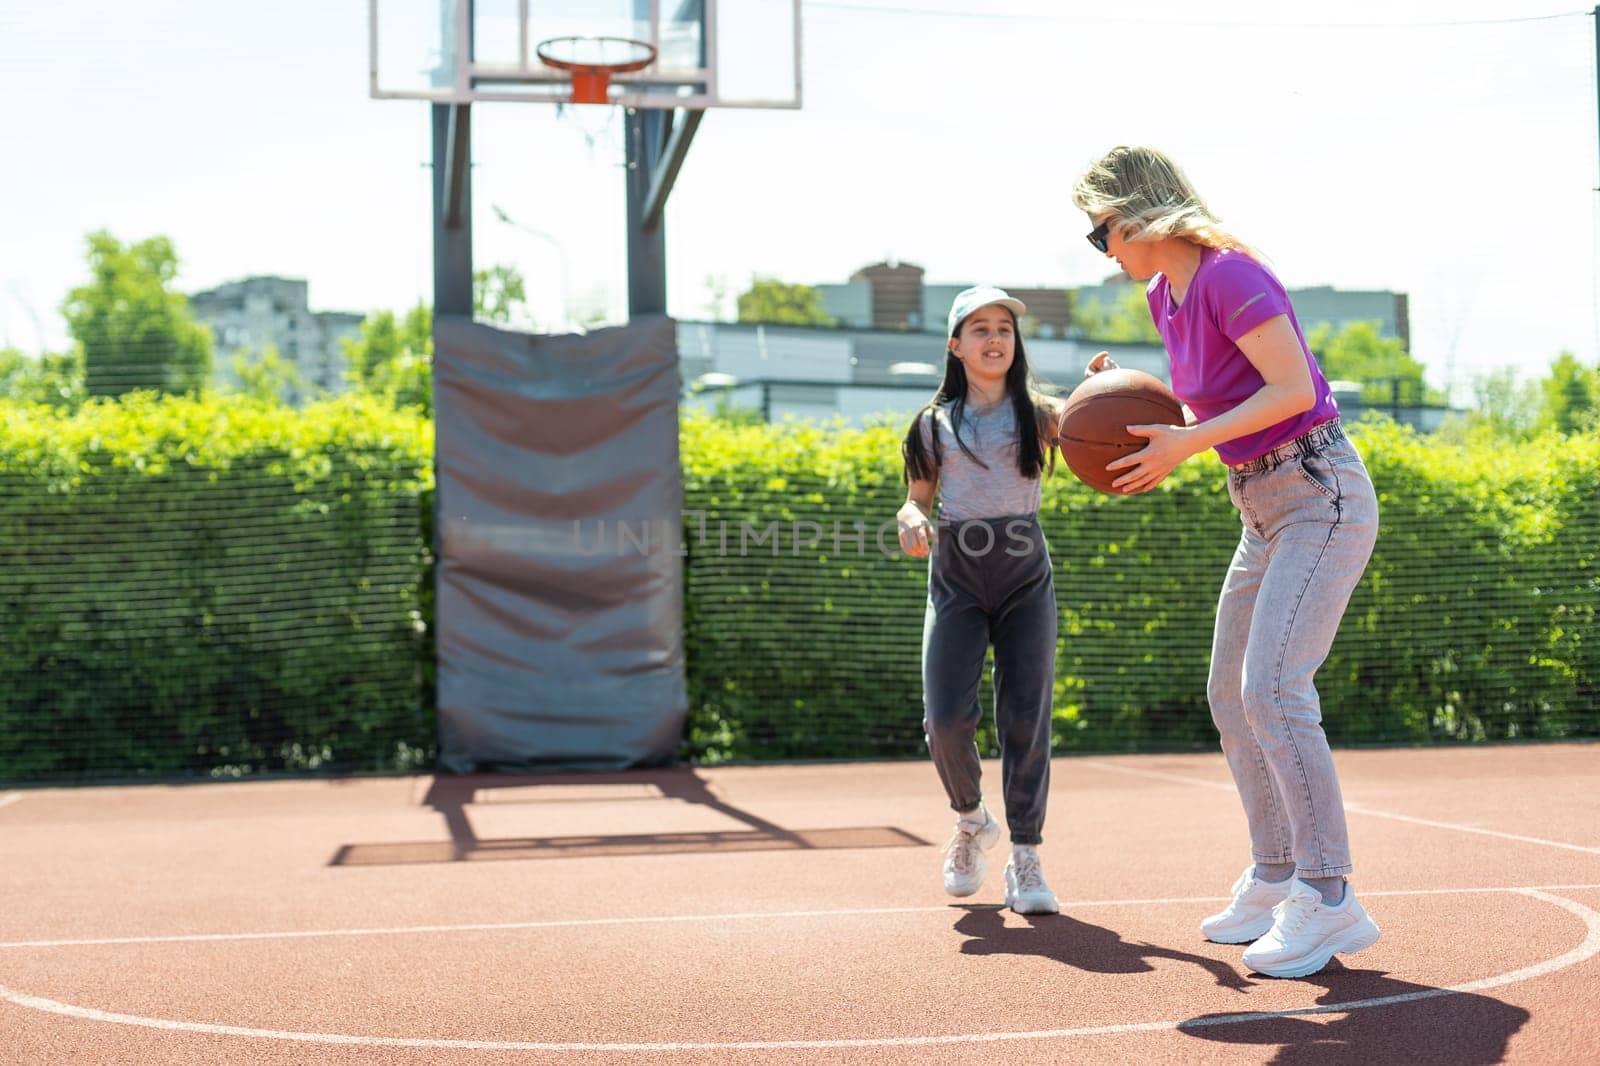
590,81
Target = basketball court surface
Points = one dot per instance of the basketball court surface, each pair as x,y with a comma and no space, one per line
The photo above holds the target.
772,914
784,914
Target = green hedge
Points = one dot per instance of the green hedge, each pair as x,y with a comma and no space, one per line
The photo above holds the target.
1474,621
211,587
223,587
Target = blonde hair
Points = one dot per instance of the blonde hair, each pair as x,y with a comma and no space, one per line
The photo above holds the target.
1151,198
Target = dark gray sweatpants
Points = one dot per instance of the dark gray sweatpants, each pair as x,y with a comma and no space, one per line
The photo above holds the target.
990,582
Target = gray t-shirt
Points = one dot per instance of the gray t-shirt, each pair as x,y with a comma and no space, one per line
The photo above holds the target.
967,490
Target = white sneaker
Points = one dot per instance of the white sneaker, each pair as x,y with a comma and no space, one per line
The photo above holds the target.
1249,915
1307,932
964,864
1026,892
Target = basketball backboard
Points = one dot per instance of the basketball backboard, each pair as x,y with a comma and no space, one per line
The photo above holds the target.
710,53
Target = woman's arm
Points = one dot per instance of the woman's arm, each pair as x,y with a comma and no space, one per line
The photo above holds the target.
1274,350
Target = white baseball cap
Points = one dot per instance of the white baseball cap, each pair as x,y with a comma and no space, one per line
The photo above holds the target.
969,300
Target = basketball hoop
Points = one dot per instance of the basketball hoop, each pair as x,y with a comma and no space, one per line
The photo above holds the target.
592,60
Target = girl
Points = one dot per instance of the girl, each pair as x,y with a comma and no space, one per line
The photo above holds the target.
1310,517
982,444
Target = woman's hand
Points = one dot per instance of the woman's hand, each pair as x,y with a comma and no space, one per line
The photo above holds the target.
1101,361
917,533
1149,466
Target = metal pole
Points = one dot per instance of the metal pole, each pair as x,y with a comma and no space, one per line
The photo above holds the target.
647,242
452,209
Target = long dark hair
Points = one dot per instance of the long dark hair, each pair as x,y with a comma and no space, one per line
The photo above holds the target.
1033,457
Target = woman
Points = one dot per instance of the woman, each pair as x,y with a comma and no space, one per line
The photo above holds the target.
981,444
1240,364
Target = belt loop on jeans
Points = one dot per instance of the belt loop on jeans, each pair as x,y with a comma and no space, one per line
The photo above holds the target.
1323,433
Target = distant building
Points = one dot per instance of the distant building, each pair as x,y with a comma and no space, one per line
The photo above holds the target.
249,314
1341,307
852,373
866,375
894,295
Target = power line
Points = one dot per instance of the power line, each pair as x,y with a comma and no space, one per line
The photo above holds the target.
1071,17
1594,84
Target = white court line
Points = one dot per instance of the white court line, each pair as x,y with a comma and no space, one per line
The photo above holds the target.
10,798
1360,809
1182,779
1354,808
1584,951
670,919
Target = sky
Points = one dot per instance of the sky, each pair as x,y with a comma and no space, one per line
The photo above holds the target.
1448,151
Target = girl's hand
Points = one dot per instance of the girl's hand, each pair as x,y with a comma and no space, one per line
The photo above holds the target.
1149,467
1101,361
917,533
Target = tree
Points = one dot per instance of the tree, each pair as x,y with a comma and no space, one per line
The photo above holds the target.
268,376
1570,396
1359,352
394,358
1126,321
497,293
1505,408
778,303
134,331
716,296
52,379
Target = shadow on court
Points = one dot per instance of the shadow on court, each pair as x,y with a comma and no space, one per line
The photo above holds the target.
1077,944
451,796
1435,1027
1428,1025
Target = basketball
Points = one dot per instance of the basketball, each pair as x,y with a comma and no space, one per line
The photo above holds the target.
1094,425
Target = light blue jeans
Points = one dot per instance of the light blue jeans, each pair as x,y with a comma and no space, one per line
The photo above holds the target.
1310,518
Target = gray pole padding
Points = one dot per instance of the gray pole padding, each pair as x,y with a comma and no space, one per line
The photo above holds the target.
559,612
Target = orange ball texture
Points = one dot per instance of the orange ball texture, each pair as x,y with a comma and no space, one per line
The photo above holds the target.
1094,425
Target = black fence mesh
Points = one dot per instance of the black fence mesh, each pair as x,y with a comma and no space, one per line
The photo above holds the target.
271,613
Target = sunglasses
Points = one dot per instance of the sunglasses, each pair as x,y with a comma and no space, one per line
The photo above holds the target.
1097,236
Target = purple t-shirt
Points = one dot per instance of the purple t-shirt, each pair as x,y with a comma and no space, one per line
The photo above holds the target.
1231,294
